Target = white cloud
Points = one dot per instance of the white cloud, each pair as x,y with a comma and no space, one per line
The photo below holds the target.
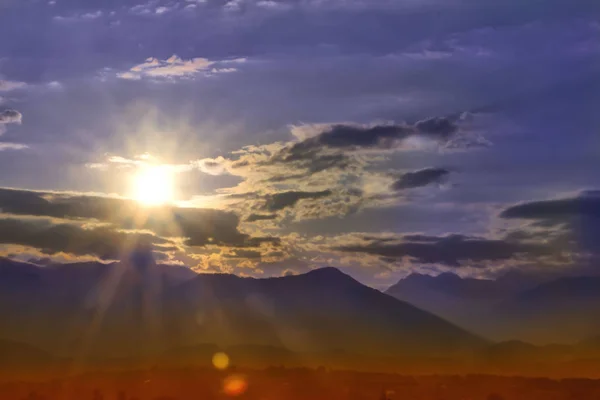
222,70
233,5
213,166
273,5
138,161
79,17
12,146
141,9
92,15
176,67
54,85
7,86
429,55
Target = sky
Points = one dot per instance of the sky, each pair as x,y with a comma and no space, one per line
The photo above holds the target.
382,137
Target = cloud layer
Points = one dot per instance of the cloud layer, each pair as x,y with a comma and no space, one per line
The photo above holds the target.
305,133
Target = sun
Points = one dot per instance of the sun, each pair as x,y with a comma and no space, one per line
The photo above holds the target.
153,185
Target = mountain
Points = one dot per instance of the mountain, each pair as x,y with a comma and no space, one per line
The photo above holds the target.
138,308
461,300
87,307
564,310
318,311
589,347
517,306
532,307
15,354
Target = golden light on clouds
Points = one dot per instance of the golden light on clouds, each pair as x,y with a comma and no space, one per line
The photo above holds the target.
154,185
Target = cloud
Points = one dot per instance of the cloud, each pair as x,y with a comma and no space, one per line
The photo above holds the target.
570,224
7,86
217,166
261,217
452,250
51,238
273,5
12,146
177,68
246,254
140,161
423,177
325,146
196,227
83,17
279,201
9,117
333,166
378,136
586,204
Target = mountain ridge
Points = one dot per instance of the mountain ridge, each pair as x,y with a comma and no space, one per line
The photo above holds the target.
117,308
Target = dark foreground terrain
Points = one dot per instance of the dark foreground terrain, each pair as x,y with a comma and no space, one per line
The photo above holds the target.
282,384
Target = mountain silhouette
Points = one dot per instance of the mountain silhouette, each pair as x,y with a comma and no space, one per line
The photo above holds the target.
318,311
14,354
464,301
532,307
564,310
140,308
84,307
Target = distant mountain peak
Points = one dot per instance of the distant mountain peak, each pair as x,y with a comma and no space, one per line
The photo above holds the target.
450,275
326,271
11,269
417,276
327,274
140,257
444,276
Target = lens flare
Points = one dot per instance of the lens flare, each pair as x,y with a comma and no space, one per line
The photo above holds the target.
220,361
235,385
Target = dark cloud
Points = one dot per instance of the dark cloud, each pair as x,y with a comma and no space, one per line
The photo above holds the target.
311,160
256,241
279,201
51,238
379,136
250,254
451,250
442,127
198,226
9,117
587,204
261,217
339,146
571,224
423,177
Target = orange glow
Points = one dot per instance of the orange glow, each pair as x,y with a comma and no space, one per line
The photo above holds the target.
235,385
